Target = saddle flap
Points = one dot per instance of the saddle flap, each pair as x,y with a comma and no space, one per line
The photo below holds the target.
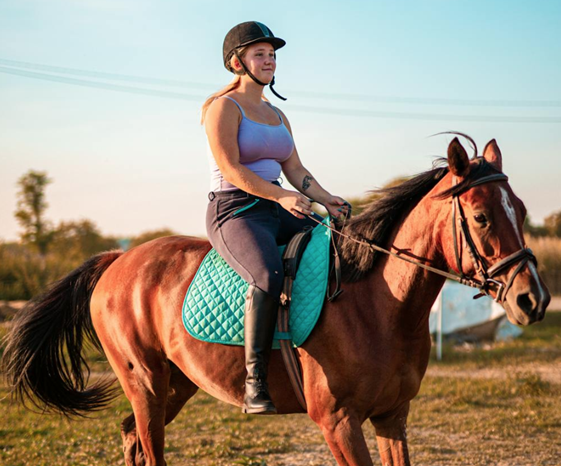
214,303
295,250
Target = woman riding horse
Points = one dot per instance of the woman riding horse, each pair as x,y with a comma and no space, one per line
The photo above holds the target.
249,213
364,360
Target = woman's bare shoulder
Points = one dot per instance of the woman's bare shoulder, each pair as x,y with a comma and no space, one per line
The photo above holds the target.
223,108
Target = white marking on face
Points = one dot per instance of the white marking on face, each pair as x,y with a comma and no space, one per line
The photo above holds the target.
534,273
511,213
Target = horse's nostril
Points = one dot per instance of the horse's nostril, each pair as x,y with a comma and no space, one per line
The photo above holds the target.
527,302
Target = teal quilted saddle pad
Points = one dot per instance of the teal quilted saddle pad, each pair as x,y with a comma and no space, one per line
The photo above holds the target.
214,303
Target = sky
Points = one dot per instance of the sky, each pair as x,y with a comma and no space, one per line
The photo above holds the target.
368,83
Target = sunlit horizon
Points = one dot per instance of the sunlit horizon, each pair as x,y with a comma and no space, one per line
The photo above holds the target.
367,83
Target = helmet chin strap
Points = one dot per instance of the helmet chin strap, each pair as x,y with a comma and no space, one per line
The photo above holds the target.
250,74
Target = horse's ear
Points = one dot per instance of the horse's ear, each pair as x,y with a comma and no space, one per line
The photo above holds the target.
458,160
493,155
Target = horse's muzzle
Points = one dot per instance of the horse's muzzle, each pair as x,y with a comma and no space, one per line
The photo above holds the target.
527,306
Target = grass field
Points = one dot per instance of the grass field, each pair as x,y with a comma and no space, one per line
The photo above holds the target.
496,404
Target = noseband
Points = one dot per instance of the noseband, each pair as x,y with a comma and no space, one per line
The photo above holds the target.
486,275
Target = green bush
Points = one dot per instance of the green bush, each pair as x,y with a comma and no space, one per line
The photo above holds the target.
24,272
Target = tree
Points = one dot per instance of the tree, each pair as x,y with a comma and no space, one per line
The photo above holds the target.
534,230
31,207
552,224
79,240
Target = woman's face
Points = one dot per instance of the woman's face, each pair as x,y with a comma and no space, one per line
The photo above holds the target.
260,60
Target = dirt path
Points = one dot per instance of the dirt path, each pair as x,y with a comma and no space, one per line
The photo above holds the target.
548,372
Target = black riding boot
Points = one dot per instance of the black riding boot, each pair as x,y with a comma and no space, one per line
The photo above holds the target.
259,328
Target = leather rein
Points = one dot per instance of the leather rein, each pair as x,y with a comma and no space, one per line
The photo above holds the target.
486,274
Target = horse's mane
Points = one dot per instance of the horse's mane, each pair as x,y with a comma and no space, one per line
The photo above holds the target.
389,206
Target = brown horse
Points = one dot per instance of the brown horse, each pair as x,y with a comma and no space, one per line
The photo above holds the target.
364,360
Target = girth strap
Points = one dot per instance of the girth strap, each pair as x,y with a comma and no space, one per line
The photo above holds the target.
291,259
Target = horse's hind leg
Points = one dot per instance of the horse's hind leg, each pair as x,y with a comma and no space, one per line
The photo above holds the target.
131,443
391,434
145,379
180,390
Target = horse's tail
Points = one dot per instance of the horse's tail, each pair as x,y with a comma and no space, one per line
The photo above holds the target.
43,359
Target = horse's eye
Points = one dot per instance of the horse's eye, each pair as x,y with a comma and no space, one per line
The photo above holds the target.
480,218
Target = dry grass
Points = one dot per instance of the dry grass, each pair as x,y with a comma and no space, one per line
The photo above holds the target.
482,405
548,252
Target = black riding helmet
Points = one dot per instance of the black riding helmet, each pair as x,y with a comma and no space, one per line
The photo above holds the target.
245,34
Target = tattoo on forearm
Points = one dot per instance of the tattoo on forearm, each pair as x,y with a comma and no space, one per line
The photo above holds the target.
306,183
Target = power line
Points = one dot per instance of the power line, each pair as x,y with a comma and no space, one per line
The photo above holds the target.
104,75
307,94
301,108
101,85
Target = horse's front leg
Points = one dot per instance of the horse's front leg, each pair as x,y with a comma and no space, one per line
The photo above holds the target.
343,433
391,434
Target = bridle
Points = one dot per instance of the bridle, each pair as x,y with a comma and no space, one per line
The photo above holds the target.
486,274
